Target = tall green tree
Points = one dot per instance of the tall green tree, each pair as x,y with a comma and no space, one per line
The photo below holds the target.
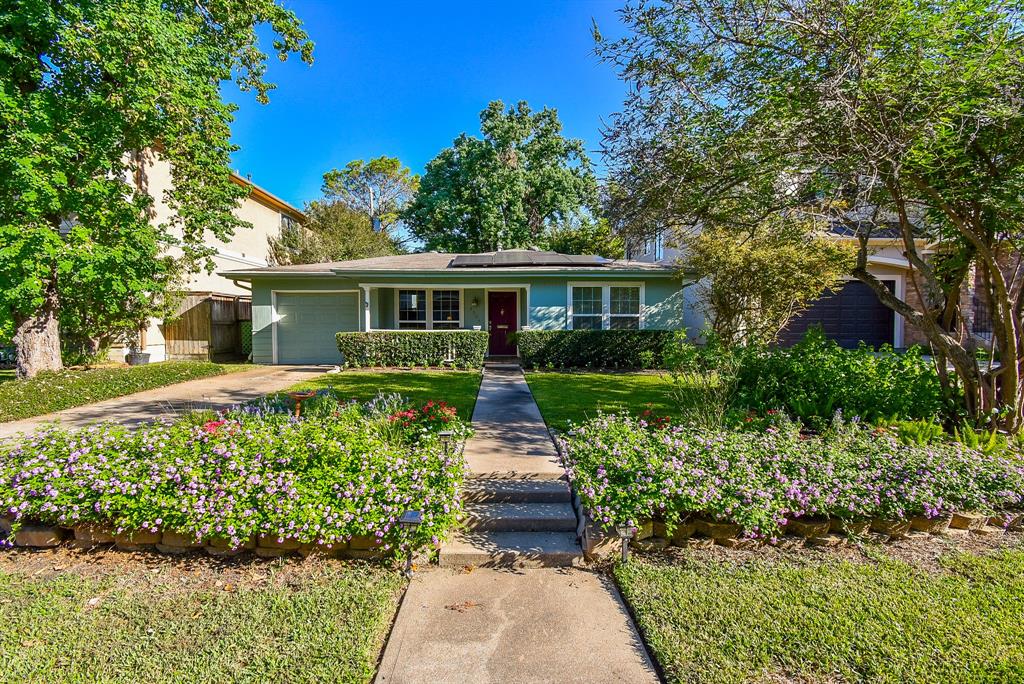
506,188
379,189
863,113
334,232
585,237
89,88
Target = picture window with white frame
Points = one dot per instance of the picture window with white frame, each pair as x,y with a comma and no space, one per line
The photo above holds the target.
429,309
606,307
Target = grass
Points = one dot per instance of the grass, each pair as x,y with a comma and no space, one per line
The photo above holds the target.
6,374
564,397
49,392
328,625
458,388
831,621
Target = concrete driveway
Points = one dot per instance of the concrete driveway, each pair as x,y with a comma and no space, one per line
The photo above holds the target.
217,392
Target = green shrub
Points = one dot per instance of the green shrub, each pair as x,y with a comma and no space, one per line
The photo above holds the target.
459,348
816,377
56,391
593,348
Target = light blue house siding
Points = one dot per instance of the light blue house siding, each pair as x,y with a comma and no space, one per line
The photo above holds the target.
544,300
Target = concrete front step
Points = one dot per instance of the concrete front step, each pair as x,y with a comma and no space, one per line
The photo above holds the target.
553,473
521,517
512,549
516,491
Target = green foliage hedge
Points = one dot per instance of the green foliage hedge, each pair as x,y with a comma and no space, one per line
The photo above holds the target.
49,392
460,348
816,377
593,348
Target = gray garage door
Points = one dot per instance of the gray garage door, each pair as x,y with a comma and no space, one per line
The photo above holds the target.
306,324
850,316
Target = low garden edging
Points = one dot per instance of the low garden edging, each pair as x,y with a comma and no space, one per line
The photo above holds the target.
394,348
739,489
335,481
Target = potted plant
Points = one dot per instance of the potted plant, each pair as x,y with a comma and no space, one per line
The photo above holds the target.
136,357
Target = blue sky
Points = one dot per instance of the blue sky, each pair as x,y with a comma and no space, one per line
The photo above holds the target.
405,78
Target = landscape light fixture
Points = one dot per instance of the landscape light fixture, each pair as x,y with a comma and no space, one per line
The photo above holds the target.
408,523
626,532
446,440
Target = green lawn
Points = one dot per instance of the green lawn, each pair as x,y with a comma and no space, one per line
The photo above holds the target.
458,388
832,621
6,374
327,624
564,397
49,392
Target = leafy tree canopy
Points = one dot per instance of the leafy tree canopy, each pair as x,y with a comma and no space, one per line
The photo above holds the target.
334,232
88,89
859,113
506,188
379,189
586,237
751,286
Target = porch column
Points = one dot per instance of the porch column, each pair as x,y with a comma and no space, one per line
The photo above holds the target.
366,307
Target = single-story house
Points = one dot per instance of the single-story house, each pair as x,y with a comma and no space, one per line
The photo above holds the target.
296,310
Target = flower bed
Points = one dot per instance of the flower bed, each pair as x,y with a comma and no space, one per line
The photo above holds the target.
341,475
628,470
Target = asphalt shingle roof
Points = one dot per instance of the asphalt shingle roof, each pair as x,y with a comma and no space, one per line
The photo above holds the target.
439,262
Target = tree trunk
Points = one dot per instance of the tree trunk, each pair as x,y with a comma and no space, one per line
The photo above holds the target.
37,338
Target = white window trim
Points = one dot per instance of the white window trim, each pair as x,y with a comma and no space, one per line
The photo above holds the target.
430,307
605,300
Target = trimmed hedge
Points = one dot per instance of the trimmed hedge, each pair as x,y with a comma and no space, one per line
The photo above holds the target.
593,348
461,348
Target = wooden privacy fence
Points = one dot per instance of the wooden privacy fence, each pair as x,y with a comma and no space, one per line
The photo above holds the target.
208,326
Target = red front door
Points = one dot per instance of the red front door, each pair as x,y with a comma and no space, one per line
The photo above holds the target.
502,316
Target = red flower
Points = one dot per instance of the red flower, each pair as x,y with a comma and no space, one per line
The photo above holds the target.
212,426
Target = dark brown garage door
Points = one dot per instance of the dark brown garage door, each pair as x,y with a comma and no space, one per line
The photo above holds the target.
849,316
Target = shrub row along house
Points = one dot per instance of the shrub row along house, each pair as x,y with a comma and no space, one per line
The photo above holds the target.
297,310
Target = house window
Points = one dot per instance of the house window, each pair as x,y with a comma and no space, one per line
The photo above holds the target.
605,307
655,247
445,310
587,308
624,308
412,309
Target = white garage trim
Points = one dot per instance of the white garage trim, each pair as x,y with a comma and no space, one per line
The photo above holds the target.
274,317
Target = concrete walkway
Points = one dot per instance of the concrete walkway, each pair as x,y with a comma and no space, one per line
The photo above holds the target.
491,626
511,436
217,392
462,623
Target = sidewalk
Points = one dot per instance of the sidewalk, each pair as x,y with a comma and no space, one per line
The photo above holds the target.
218,392
495,626
473,624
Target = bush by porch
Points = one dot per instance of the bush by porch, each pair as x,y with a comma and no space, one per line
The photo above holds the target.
394,348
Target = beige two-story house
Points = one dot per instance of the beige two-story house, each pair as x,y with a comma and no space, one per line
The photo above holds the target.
214,310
